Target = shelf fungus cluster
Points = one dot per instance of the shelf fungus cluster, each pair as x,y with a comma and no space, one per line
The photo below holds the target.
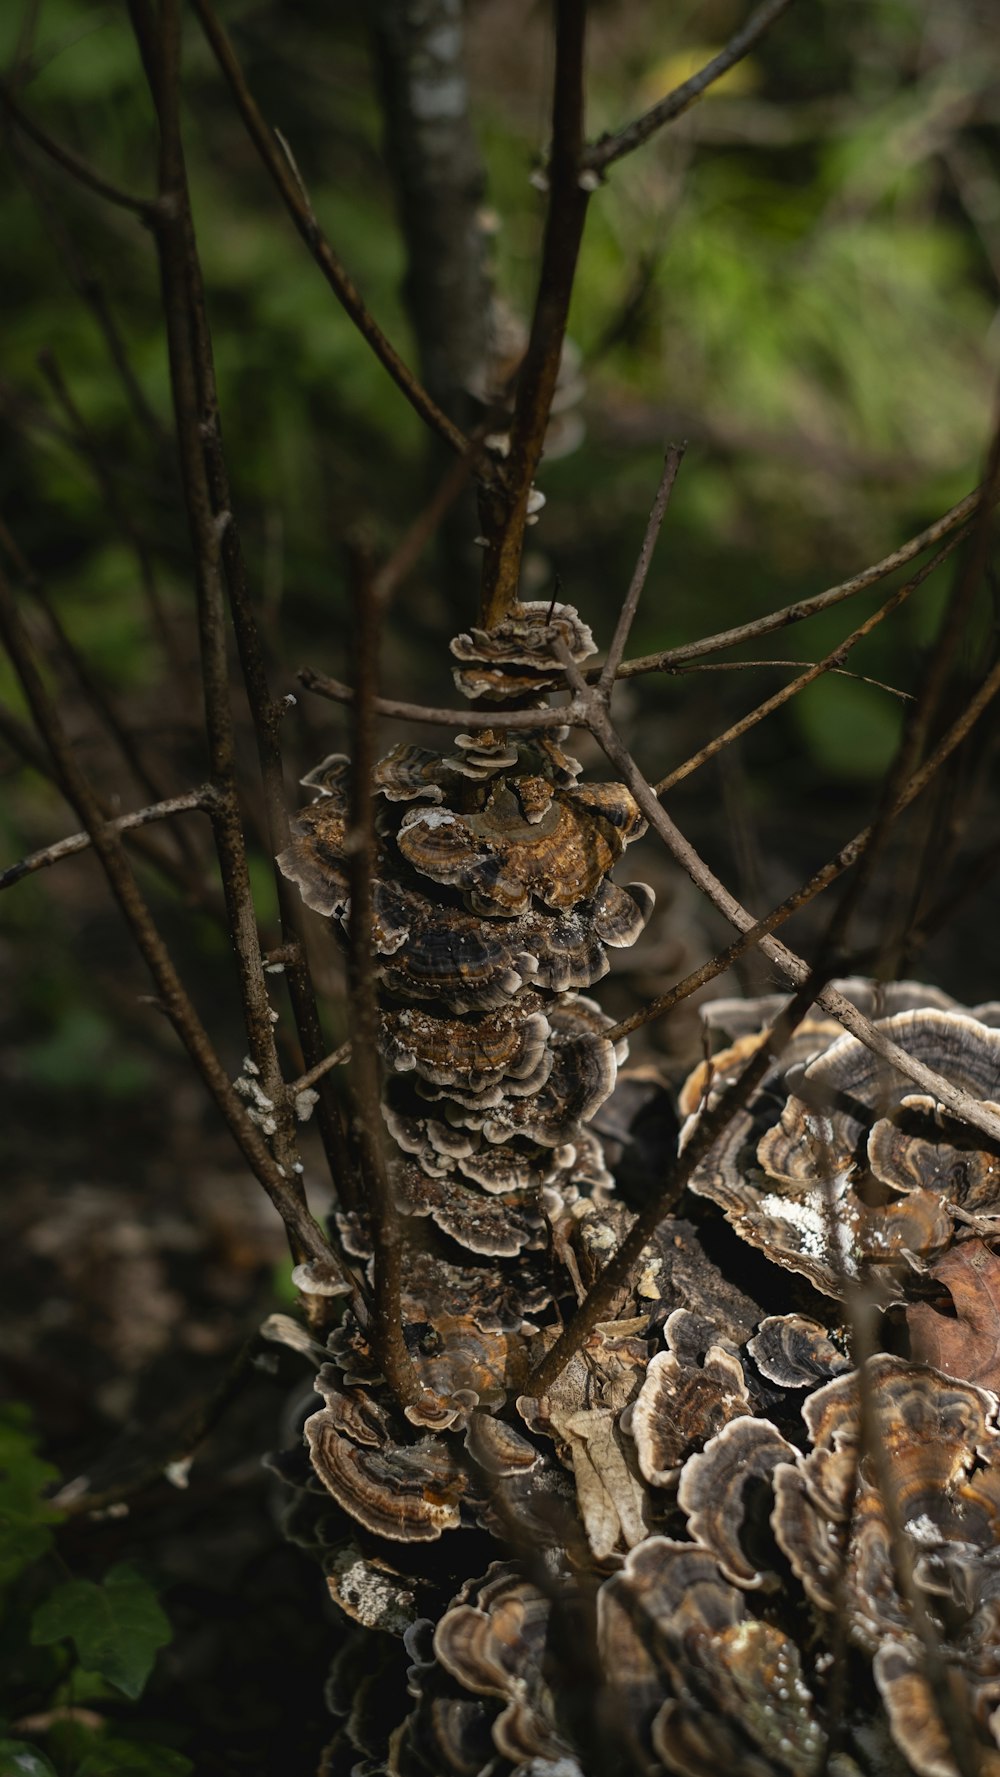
715,1543
840,1167
494,910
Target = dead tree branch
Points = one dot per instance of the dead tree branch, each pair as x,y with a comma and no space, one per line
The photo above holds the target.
296,201
306,1235
144,208
961,1103
504,508
387,1236
831,662
669,658
610,148
126,823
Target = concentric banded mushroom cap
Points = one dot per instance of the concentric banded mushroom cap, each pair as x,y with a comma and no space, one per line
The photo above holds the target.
515,659
717,1689
691,1390
528,842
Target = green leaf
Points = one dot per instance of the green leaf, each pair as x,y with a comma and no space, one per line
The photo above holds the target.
116,1627
25,1515
18,1759
133,1758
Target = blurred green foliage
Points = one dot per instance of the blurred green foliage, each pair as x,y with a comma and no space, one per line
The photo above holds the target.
800,277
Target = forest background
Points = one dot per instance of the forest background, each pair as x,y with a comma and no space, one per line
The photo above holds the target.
799,279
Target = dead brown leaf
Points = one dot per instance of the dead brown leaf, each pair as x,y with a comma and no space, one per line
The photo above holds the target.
968,1346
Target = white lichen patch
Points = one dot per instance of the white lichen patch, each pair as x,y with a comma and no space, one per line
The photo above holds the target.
374,1599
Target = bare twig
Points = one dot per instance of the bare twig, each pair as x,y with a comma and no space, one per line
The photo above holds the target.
572,713
959,1102
610,148
84,175
407,552
669,658
601,1299
306,1235
23,744
821,879
609,670
91,292
837,672
387,1239
174,241
328,1063
504,508
221,538
296,201
77,842
940,659
131,750
831,662
76,1500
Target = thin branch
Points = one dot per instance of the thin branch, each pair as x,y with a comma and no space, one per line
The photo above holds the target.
173,234
100,700
572,713
296,201
609,670
821,879
959,1102
412,544
306,1234
504,509
831,662
91,292
837,672
610,148
669,658
266,711
940,658
77,842
387,1239
84,175
23,744
600,1301
335,1059
76,1500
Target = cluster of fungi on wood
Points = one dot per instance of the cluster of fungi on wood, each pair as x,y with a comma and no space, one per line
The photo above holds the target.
686,1559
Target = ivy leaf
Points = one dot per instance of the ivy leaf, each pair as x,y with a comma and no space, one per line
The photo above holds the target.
25,1515
18,1759
117,1627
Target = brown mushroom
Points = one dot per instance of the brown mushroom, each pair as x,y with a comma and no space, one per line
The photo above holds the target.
406,1493
505,1048
691,1390
408,772
942,1451
314,857
717,1689
795,1352
720,1491
496,1227
515,659
506,854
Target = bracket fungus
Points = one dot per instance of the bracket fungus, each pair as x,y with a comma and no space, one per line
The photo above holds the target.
836,1168
493,910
